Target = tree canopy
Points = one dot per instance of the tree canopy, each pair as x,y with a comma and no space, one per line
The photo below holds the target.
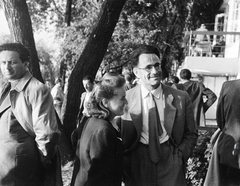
95,36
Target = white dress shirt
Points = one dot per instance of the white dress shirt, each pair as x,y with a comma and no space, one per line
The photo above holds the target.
160,102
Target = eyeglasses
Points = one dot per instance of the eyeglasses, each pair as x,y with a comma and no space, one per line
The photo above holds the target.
149,68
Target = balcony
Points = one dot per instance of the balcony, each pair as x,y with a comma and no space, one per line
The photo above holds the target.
213,62
219,56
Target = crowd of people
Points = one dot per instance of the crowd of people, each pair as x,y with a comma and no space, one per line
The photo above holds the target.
139,134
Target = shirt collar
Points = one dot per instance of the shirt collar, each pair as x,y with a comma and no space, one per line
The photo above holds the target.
22,82
156,92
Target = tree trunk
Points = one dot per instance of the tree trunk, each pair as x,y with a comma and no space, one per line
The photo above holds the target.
90,60
19,22
68,12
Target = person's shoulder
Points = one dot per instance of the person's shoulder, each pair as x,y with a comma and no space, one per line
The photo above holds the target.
37,86
99,124
178,86
133,89
235,82
174,91
193,83
98,121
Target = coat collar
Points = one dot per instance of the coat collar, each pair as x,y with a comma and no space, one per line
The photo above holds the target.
19,87
22,82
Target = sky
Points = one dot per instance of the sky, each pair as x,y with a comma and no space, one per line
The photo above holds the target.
3,24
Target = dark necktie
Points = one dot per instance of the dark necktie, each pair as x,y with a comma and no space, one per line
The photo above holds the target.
5,92
155,130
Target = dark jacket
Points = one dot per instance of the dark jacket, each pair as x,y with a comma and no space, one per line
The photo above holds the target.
99,155
228,120
196,90
224,168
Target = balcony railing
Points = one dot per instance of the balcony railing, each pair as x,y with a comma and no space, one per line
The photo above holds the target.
212,46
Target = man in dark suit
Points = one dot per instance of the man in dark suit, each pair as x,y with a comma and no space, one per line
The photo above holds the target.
197,91
224,167
176,135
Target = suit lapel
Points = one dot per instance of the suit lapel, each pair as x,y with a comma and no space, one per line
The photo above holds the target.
169,111
135,109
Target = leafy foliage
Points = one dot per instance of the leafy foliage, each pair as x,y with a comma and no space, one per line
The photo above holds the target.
197,165
158,22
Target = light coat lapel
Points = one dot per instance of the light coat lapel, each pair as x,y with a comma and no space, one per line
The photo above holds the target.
135,109
5,104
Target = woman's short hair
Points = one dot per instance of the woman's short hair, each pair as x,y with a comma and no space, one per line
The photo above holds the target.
105,88
23,52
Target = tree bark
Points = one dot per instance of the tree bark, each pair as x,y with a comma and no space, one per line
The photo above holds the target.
68,12
90,60
20,26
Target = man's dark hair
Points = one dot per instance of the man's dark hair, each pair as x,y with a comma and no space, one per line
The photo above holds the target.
175,79
185,74
23,52
88,77
143,49
128,77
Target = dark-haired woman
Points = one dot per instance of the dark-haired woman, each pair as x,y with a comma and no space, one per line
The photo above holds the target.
99,150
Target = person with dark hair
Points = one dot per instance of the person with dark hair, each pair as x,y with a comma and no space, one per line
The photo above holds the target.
175,79
175,83
99,150
158,128
196,91
29,131
88,83
128,78
165,77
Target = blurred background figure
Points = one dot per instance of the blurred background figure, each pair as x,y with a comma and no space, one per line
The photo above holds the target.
201,37
128,78
219,47
202,44
175,83
165,77
58,96
175,79
88,83
197,91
